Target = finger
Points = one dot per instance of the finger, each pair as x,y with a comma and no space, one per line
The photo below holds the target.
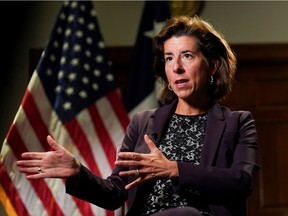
129,156
133,184
150,143
127,163
36,176
129,173
28,163
54,145
32,155
29,170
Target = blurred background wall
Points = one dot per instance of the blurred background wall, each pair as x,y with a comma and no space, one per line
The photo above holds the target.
27,25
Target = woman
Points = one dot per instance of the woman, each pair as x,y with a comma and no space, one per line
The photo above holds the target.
189,157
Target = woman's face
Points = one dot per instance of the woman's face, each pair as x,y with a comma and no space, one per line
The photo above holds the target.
186,69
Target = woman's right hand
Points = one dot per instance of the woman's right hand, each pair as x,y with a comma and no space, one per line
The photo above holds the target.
58,163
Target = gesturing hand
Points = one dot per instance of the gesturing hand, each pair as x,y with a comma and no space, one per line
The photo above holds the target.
58,163
146,166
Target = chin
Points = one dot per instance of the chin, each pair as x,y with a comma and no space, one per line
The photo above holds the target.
184,97
184,94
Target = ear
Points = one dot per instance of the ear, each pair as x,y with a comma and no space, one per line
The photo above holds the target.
214,67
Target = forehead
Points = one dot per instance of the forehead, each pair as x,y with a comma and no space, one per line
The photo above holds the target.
182,42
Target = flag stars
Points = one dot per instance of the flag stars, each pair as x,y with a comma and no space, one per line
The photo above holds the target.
86,66
88,53
71,18
60,74
91,26
81,20
69,91
109,77
93,13
83,94
65,46
72,76
75,62
63,60
77,48
52,58
82,8
79,34
68,32
95,86
62,16
99,59
58,89
101,44
55,44
89,40
67,106
59,30
157,26
66,3
85,80
74,4
97,73
49,72
82,71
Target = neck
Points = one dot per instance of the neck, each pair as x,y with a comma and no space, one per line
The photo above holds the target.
188,108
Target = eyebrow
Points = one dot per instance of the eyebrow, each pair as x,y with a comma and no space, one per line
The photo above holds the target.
182,52
168,53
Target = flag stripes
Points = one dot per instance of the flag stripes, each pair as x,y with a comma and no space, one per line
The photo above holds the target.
14,196
44,194
36,122
76,133
103,136
28,135
73,97
28,140
118,109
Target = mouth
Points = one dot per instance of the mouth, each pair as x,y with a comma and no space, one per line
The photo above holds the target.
181,81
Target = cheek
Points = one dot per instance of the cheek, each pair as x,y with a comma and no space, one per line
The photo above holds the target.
201,73
168,74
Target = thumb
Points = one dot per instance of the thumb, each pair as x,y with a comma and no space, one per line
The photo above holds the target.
151,145
53,144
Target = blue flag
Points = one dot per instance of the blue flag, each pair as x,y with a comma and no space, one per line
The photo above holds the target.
139,93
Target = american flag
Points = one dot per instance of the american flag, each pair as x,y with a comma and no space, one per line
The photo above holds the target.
72,95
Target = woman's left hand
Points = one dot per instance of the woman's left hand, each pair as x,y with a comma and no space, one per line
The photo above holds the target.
146,166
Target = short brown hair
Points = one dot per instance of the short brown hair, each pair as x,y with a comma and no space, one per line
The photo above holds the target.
209,42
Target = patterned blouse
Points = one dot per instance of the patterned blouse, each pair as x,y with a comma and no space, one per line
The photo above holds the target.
183,142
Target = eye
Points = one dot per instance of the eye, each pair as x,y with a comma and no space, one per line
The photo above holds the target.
168,59
187,56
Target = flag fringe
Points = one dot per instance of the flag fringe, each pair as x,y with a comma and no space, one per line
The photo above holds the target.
8,207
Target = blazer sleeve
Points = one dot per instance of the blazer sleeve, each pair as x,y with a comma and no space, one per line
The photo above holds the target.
106,193
234,166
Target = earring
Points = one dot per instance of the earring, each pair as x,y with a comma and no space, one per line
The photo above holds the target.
169,87
211,80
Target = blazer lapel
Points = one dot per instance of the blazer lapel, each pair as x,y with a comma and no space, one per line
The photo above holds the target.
213,133
158,121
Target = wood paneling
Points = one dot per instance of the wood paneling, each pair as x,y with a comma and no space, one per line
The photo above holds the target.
262,88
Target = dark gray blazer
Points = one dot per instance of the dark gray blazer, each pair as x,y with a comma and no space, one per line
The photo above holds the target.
223,180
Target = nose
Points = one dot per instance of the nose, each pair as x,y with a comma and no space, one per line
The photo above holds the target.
177,67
